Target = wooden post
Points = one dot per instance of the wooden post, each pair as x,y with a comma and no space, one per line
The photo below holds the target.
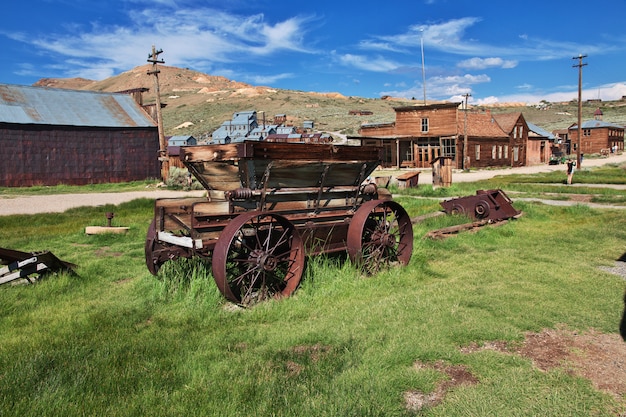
163,158
580,66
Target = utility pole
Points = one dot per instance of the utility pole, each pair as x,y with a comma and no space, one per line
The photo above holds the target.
580,66
153,57
423,69
466,158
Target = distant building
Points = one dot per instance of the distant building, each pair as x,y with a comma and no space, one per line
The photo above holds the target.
245,125
597,136
423,133
183,140
56,136
237,129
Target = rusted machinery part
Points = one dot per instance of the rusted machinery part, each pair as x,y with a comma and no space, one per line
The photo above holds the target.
258,256
489,205
380,233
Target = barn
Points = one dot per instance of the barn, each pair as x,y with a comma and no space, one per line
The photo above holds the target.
55,136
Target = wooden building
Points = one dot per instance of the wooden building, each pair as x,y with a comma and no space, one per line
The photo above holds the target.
597,137
421,134
55,136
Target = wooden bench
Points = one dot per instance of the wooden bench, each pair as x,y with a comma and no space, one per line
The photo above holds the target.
408,179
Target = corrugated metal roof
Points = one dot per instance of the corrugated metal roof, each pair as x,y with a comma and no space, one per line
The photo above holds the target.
52,106
540,131
593,124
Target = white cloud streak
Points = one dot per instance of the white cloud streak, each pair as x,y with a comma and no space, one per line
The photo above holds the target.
204,38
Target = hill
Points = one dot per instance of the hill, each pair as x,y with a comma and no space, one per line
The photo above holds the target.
197,103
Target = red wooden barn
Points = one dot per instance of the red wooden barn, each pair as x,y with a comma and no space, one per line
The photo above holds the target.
56,136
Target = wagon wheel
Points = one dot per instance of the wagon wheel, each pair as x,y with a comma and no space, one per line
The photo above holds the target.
258,256
152,248
380,233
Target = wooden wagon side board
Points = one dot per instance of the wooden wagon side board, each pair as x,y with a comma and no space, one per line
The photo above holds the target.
259,165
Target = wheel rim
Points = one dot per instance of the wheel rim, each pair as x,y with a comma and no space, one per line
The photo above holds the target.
152,261
258,256
380,233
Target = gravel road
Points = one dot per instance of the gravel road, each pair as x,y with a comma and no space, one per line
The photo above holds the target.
60,202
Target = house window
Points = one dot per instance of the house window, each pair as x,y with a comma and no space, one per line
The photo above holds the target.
586,132
477,152
449,147
424,125
506,151
493,152
500,152
515,153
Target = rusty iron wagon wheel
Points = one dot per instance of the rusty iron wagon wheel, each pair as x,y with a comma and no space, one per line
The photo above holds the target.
258,256
380,234
152,249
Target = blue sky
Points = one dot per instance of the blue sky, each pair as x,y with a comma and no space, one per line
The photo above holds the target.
496,51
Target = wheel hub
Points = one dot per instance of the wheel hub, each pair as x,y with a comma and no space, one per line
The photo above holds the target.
264,260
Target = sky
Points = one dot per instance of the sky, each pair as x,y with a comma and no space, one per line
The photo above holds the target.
492,51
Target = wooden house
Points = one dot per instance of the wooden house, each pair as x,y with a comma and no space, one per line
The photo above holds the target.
487,144
419,135
56,136
514,125
597,137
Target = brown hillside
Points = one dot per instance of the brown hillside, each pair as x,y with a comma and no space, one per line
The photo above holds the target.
198,103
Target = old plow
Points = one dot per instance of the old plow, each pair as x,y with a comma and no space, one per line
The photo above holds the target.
269,206
29,265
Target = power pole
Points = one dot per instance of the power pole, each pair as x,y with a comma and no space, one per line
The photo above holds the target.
466,158
580,66
163,158
423,69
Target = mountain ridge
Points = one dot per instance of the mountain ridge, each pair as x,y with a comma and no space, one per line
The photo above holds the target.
197,103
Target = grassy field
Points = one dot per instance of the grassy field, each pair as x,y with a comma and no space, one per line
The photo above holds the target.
115,341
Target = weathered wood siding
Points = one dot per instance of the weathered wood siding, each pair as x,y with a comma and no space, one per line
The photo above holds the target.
597,139
47,155
441,122
484,149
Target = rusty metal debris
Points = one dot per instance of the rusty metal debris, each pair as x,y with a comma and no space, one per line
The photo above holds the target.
27,265
485,205
269,206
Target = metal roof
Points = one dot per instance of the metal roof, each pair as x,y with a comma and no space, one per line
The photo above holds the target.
52,106
540,131
592,124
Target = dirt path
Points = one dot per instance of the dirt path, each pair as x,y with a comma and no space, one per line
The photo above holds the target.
60,202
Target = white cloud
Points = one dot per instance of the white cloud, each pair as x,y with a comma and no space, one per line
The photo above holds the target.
188,37
442,86
483,63
268,79
378,64
607,92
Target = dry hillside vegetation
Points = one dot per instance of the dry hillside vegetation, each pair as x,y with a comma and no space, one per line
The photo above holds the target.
197,103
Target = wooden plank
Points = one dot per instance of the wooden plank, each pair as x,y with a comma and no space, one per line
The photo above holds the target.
229,152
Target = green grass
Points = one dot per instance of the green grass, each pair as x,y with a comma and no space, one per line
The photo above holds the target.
116,341
79,189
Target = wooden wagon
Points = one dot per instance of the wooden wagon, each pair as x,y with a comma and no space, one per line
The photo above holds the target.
269,206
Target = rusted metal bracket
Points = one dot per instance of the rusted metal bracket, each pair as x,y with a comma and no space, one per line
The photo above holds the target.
266,178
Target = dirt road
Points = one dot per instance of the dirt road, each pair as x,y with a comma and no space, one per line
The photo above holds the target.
58,203
61,202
